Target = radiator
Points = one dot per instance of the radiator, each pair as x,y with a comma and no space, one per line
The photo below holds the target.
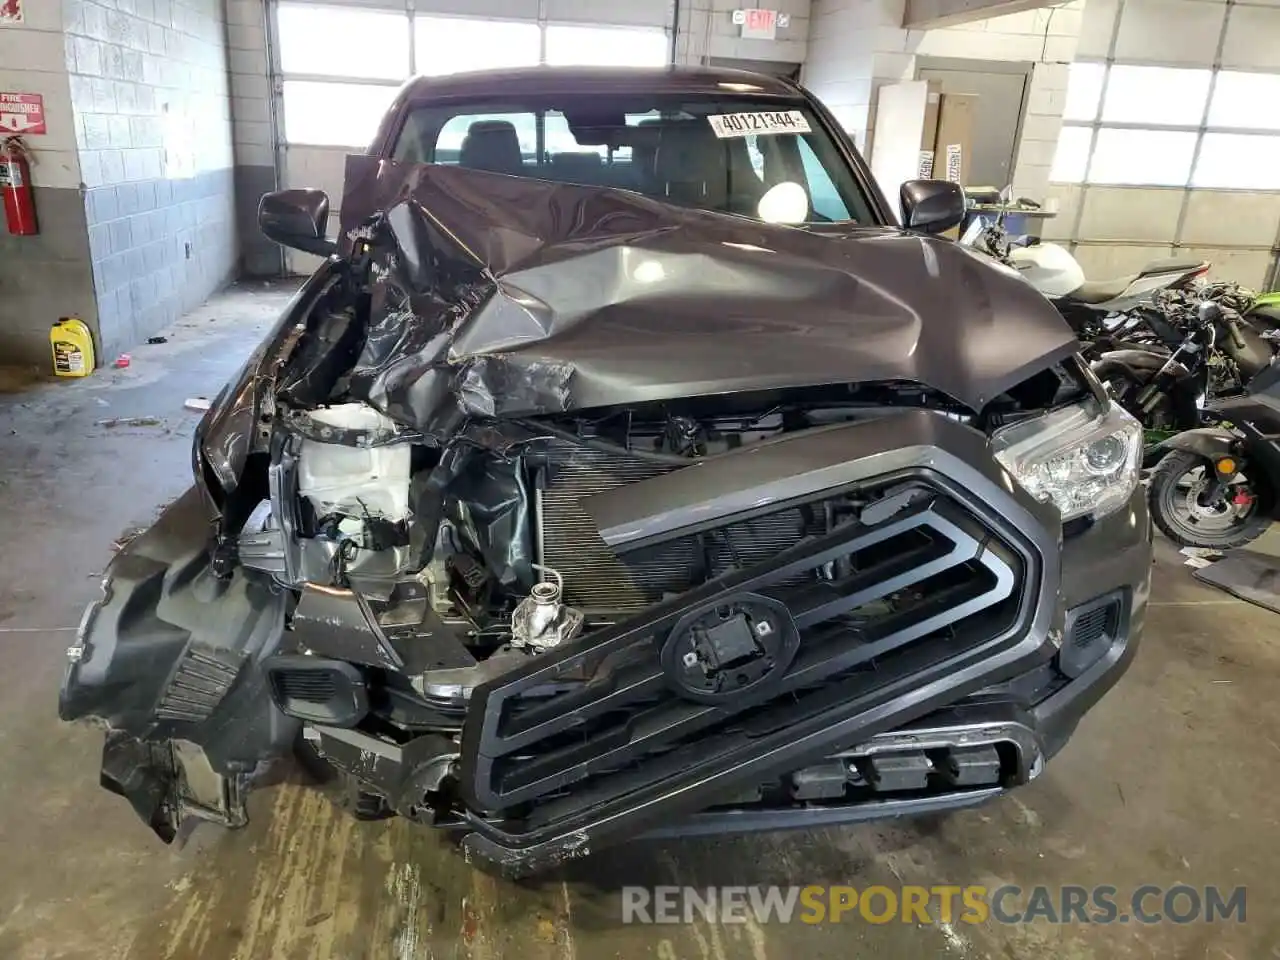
596,580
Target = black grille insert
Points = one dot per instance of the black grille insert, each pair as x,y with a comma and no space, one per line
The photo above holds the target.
1091,627
318,689
928,583
1090,630
311,686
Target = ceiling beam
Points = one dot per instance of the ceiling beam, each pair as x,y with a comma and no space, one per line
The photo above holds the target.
929,14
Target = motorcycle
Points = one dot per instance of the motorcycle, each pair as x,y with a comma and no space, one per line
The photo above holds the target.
1249,334
1095,309
1217,486
1217,353
1266,309
1164,391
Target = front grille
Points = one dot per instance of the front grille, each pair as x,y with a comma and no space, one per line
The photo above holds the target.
872,604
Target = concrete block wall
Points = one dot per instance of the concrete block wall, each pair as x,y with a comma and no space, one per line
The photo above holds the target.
706,30
856,46
253,137
149,89
47,276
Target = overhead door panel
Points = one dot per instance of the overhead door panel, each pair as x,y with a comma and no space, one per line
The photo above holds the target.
339,65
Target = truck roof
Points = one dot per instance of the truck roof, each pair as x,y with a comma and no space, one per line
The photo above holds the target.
553,80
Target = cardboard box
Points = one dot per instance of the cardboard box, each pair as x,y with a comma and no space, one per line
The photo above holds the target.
929,132
953,146
906,127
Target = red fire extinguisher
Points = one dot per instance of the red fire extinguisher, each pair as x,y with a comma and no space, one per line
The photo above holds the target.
15,184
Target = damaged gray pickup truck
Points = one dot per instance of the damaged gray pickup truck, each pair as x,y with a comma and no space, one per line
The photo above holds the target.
625,470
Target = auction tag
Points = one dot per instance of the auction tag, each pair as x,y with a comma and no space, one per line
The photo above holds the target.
954,156
728,125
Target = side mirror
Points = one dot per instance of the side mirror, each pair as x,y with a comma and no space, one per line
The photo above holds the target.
931,206
297,219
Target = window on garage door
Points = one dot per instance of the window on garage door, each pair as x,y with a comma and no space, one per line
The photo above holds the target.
573,46
341,65
1140,125
453,44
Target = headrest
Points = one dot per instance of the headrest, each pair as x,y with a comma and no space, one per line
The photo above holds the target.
691,163
491,145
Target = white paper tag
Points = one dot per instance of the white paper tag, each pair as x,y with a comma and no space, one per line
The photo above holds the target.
727,125
925,170
953,162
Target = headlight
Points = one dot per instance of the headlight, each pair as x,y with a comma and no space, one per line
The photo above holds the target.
1082,460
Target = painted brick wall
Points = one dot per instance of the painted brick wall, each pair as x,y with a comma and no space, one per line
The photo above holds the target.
254,144
149,88
47,276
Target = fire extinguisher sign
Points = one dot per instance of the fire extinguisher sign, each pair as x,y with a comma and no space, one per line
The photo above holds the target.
22,113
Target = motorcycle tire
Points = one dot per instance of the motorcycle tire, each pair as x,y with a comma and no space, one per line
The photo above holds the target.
1163,489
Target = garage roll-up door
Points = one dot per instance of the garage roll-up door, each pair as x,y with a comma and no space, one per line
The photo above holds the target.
339,65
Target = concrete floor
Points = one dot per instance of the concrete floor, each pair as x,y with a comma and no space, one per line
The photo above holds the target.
1172,779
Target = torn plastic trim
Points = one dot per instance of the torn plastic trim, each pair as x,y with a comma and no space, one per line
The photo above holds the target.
303,424
166,783
232,428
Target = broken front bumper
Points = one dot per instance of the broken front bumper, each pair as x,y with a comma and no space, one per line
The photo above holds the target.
167,662
1005,652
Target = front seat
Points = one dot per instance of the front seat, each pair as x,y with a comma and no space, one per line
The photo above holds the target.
690,166
492,145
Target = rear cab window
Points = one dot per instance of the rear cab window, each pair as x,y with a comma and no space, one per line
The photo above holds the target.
768,159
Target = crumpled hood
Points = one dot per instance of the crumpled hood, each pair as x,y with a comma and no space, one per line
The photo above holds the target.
530,297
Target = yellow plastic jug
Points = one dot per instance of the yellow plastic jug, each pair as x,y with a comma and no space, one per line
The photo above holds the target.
72,345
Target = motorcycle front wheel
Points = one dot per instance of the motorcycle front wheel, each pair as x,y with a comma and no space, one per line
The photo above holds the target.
1182,512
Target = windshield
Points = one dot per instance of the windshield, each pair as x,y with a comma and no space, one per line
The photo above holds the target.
765,159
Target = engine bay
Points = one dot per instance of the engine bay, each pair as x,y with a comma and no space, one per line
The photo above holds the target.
478,553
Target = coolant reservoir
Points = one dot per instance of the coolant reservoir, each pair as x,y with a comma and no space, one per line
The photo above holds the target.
355,481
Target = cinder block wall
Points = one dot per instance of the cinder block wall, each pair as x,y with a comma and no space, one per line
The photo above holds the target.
856,48
47,276
252,133
149,89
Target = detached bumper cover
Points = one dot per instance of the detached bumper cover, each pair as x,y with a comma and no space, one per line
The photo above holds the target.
166,661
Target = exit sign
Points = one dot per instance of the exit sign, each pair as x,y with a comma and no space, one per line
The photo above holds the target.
761,24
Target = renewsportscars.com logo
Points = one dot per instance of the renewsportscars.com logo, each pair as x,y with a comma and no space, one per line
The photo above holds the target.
816,904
